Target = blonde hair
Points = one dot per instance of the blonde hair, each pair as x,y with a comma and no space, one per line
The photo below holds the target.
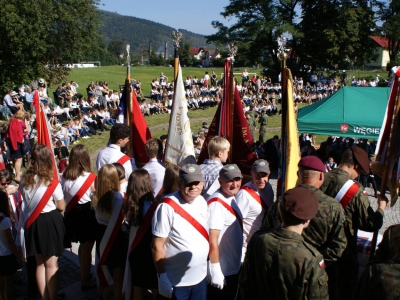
107,182
20,114
217,144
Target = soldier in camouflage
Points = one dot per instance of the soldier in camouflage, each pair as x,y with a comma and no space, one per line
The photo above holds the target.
263,121
252,124
279,264
381,278
326,231
339,184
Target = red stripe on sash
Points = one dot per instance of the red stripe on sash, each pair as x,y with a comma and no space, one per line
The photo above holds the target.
79,194
123,159
229,208
143,227
256,196
184,214
103,259
160,191
42,203
349,195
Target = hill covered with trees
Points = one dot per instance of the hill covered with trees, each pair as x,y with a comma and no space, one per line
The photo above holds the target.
139,32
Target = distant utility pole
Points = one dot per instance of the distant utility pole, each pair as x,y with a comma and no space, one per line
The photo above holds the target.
166,51
149,48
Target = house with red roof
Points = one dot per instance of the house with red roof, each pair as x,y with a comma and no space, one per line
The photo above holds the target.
381,49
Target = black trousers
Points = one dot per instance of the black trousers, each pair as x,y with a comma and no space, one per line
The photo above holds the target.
228,292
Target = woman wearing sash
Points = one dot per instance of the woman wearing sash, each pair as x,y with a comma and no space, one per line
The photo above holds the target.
78,185
112,235
139,208
43,202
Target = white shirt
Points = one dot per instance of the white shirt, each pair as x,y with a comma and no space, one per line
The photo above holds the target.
230,239
156,172
4,225
69,185
252,211
185,249
112,154
36,192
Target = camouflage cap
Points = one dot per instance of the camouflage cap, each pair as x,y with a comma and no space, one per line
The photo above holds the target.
229,172
300,202
361,158
190,173
312,162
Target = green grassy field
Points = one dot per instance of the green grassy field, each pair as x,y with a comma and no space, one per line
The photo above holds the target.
158,124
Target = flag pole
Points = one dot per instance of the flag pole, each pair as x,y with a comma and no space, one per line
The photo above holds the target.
128,95
282,57
232,50
176,36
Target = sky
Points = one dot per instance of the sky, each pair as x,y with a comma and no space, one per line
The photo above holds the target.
195,16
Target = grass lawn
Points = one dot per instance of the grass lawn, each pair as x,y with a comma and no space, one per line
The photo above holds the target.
158,124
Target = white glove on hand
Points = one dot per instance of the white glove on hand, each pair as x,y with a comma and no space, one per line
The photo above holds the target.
164,285
217,278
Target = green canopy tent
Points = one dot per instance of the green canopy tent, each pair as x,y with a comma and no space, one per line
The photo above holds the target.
351,112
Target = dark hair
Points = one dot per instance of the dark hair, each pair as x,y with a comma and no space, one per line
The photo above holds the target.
348,159
120,170
41,165
79,162
139,189
170,183
4,174
5,205
119,131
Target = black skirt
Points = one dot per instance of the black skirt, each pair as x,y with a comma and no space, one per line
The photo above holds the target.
14,153
46,235
8,265
119,249
81,223
144,273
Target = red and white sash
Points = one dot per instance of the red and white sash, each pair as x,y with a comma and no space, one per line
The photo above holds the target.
15,202
184,214
78,189
347,192
103,275
229,208
256,196
136,235
123,159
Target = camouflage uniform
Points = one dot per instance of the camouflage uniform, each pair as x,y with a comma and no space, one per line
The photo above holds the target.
358,215
263,120
381,278
280,265
325,232
252,125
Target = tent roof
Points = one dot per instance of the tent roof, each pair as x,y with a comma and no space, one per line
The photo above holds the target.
352,111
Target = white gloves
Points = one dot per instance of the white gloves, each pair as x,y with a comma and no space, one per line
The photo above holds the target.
217,278
164,285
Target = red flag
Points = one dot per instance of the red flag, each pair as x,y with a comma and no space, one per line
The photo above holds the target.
229,122
140,132
43,131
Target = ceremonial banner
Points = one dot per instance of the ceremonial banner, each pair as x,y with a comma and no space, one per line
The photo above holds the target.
290,150
180,141
229,122
43,130
388,147
137,122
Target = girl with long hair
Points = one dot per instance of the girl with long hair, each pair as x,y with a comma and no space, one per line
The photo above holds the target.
110,248
139,208
170,183
10,259
43,202
78,184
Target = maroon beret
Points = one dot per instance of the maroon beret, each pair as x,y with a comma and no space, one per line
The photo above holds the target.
300,202
312,162
361,157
